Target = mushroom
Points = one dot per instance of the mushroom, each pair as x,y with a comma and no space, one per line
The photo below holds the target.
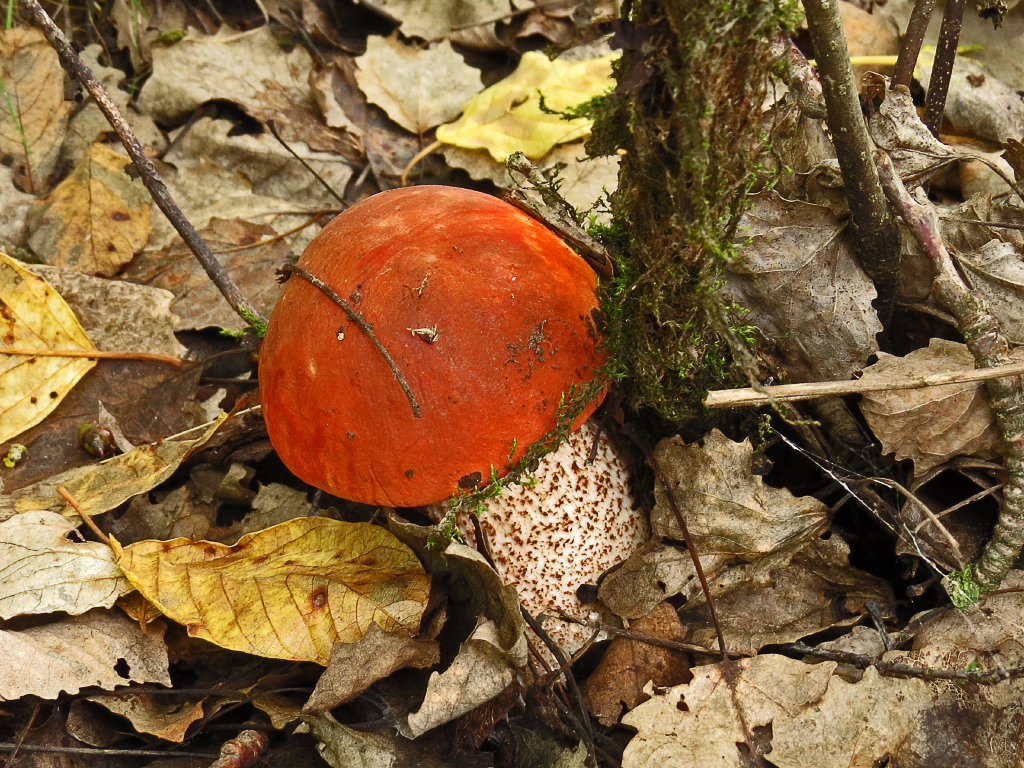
467,323
575,519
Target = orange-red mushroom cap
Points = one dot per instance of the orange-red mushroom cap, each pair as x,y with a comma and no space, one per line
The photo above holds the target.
489,317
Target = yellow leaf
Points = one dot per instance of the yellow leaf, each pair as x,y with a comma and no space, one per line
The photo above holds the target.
507,117
288,592
34,316
99,489
96,220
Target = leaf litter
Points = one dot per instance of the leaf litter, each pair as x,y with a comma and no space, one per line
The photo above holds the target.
433,655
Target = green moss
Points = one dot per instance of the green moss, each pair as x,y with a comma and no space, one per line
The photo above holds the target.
686,118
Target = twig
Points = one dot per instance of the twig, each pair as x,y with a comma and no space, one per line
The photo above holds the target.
893,669
873,227
748,396
364,326
307,166
800,76
990,348
86,517
92,353
6,746
143,166
912,40
691,546
942,66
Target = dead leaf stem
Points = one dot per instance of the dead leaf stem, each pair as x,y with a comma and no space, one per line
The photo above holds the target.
364,326
143,166
873,227
86,517
92,354
990,348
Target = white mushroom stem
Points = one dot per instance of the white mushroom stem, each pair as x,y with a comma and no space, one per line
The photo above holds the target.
571,522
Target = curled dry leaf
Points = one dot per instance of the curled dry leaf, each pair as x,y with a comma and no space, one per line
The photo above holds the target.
931,425
291,591
507,117
35,317
439,19
784,597
803,714
164,717
617,685
481,670
43,571
96,220
103,649
354,667
247,68
728,509
797,274
419,88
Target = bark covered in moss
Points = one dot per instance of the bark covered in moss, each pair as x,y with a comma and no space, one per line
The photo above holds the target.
686,117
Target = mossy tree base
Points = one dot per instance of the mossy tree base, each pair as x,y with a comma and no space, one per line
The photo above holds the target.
687,117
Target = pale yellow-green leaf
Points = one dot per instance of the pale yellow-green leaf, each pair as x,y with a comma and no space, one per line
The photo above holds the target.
43,571
34,316
290,592
507,117
99,489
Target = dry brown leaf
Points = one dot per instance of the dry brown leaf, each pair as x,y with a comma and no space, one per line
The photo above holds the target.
783,599
805,715
34,114
43,571
354,667
481,670
728,509
995,270
103,649
247,68
617,685
419,88
291,591
165,717
96,220
439,18
197,302
794,270
35,317
930,425
344,747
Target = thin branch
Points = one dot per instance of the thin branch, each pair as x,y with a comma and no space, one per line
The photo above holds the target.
874,230
990,348
942,66
143,166
893,669
912,40
780,393
364,326
92,353
307,166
